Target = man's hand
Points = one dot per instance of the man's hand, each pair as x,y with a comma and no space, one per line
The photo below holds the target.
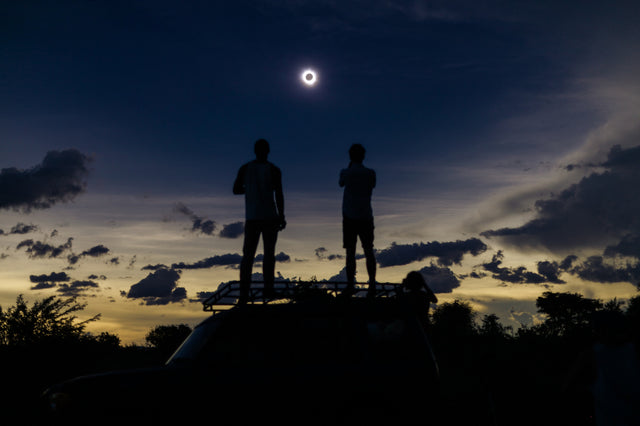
282,224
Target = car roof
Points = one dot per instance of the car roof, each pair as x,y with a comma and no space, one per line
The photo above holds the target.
382,308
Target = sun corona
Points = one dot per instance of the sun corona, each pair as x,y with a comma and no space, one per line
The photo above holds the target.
309,77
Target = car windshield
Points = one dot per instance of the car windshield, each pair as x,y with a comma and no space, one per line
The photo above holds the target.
192,346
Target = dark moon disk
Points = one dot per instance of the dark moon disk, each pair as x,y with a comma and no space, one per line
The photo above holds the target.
309,76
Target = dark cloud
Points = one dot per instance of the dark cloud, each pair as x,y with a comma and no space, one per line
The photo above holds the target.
218,260
520,275
20,229
629,246
154,267
95,251
232,230
551,271
321,253
447,253
440,279
281,257
52,277
45,281
59,178
595,269
601,207
230,260
38,249
43,285
97,277
567,262
77,288
199,224
339,277
158,288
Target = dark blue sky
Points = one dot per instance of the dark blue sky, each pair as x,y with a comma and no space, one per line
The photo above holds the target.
168,91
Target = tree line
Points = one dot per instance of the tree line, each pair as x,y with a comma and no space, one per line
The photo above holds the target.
481,360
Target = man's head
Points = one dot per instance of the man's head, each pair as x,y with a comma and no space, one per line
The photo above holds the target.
356,153
261,148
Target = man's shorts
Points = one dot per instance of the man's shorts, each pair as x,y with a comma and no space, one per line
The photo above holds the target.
354,228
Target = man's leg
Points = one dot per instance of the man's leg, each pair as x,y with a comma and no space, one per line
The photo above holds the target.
366,237
251,238
269,238
349,240
371,269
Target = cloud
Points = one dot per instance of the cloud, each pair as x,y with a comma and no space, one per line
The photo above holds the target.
232,230
551,271
321,253
547,272
218,260
59,178
339,277
595,269
440,279
447,253
629,246
52,277
600,208
281,257
199,224
231,260
43,286
77,288
45,281
95,251
38,249
20,229
154,267
158,288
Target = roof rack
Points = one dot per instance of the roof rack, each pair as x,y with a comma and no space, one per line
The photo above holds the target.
228,293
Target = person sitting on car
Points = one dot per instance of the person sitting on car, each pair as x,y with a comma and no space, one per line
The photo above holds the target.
419,296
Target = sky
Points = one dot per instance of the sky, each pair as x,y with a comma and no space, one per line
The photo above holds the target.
505,136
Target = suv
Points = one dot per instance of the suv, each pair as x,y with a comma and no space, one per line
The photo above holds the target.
320,360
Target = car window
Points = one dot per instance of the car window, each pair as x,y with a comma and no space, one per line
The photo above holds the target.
194,343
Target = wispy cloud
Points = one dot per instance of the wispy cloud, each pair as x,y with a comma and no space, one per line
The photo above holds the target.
600,208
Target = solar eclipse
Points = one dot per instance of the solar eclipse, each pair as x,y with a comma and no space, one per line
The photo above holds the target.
309,77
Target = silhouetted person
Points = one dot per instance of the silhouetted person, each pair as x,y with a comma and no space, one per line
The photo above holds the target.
419,296
261,183
357,215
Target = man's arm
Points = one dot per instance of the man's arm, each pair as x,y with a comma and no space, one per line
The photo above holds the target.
342,180
277,187
238,185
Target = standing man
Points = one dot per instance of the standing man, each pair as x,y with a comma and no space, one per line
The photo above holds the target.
261,183
357,216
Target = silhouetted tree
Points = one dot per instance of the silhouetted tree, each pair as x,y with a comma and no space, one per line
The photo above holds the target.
633,310
567,313
492,328
108,339
50,319
455,318
167,338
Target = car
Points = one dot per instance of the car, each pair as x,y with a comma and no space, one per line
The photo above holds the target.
318,360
